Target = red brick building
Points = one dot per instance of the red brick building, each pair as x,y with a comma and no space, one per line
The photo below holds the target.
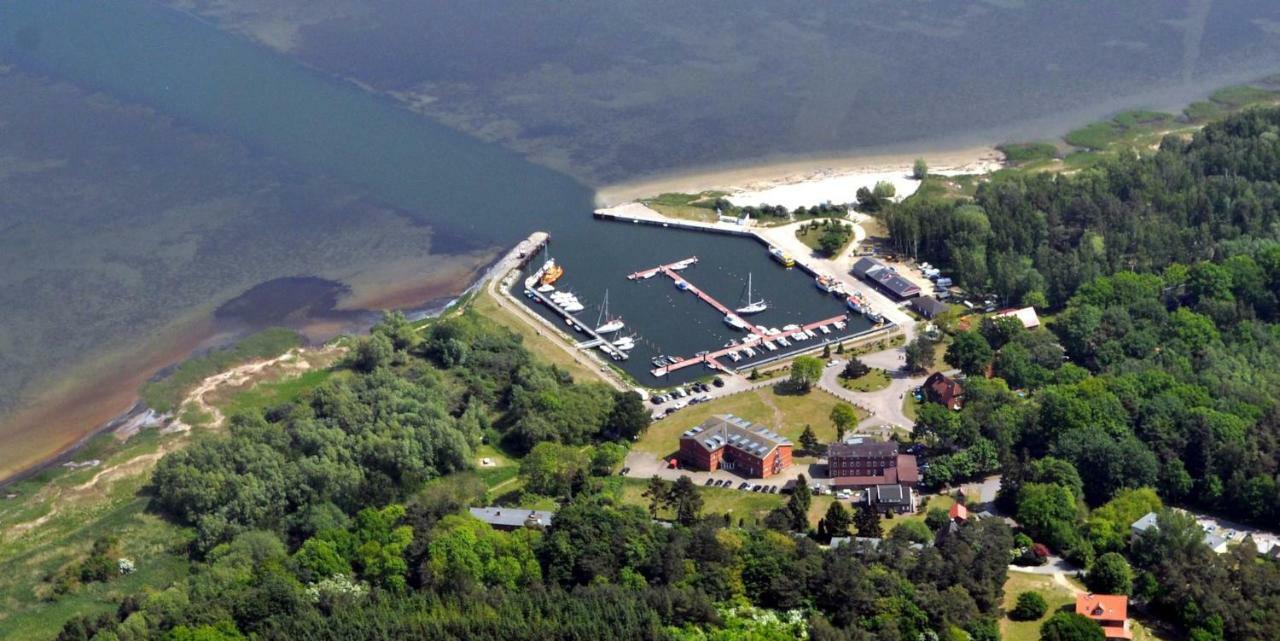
944,390
863,463
731,443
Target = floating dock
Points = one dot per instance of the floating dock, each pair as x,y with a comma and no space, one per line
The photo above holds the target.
595,340
757,335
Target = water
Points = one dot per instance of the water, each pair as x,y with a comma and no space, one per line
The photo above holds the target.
669,321
153,166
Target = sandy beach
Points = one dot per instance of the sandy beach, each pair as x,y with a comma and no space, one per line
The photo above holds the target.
808,181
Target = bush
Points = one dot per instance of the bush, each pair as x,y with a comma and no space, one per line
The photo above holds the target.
1030,606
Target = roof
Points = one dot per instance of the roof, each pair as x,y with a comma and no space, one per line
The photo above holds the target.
512,517
1103,607
1027,316
873,270
959,511
928,306
1214,541
903,470
1145,523
943,389
892,494
729,430
862,448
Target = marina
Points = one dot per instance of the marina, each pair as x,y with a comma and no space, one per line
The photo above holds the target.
707,314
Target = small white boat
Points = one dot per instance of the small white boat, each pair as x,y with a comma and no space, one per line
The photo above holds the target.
782,340
735,356
546,288
839,324
572,307
675,267
732,320
626,343
769,346
773,331
824,329
750,352
790,328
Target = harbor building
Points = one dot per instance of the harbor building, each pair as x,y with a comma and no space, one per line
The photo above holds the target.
726,442
885,278
863,463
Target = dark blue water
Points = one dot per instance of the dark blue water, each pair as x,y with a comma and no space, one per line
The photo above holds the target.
669,321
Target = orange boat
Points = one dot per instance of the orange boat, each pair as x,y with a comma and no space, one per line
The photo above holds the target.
552,274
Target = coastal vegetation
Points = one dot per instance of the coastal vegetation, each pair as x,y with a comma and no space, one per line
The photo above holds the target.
335,514
164,393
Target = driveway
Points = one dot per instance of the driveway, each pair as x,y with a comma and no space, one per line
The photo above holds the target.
885,406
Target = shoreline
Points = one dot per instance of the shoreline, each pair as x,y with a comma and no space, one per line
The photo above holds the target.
764,175
83,405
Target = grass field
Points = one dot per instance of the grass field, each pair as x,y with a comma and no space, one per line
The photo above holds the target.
1055,595
788,414
52,521
539,345
700,207
810,238
873,381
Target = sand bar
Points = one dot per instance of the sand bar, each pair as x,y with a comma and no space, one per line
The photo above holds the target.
830,175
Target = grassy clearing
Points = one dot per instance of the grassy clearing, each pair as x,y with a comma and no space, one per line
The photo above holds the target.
270,394
1055,595
163,395
1024,153
700,207
811,237
873,381
54,519
539,344
788,414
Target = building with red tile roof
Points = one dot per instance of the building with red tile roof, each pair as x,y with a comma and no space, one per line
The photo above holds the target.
944,390
1111,611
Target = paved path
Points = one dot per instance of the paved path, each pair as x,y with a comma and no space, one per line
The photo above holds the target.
499,279
885,405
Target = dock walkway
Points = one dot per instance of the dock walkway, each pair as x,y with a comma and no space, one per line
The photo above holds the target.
595,340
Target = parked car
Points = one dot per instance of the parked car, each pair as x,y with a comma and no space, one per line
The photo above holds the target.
755,488
744,486
710,482
717,381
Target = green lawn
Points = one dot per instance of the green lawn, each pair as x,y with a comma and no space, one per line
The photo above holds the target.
270,394
788,414
1055,595
810,238
909,406
873,381
700,207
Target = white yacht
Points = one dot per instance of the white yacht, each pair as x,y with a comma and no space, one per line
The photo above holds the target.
750,306
735,322
604,323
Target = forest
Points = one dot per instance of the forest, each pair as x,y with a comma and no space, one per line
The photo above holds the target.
1153,382
341,515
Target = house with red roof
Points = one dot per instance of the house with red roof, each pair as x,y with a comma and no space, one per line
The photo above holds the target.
1111,611
944,390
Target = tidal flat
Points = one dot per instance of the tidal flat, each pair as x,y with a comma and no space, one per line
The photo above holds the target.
120,232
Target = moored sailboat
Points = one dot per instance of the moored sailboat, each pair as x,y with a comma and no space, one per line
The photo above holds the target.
752,307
